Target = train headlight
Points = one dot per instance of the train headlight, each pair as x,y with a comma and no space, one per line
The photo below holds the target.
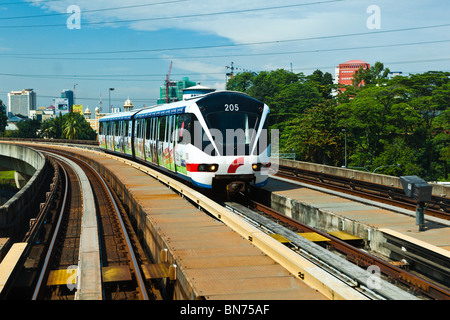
258,166
207,167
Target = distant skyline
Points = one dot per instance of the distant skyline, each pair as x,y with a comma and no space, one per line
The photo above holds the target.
128,45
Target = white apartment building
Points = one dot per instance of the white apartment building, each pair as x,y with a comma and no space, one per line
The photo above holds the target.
22,102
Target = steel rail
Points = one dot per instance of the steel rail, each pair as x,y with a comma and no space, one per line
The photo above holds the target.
138,273
362,258
53,241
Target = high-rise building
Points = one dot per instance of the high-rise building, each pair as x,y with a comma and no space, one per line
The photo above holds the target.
68,94
175,90
22,102
345,71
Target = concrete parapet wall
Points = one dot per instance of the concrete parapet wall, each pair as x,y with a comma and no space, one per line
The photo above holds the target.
381,179
15,213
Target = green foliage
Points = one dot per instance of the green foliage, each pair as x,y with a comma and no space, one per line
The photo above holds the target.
70,126
27,129
315,135
403,120
3,117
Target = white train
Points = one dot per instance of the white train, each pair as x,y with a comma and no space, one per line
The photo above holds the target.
215,140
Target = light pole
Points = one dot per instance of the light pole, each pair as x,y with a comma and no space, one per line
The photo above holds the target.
110,89
74,88
345,148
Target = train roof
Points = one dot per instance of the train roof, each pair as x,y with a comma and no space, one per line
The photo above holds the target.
165,109
119,116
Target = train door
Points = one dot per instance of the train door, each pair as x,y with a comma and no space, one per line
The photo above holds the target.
154,138
116,136
101,135
111,135
147,143
138,139
171,142
142,137
161,139
128,149
182,137
108,135
120,136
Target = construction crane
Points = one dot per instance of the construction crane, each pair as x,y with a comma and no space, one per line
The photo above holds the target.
168,82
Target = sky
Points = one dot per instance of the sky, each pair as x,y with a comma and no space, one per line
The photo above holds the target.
90,46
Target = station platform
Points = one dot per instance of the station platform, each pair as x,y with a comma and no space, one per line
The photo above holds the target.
390,232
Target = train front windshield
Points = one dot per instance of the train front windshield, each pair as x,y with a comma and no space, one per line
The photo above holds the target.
233,120
233,133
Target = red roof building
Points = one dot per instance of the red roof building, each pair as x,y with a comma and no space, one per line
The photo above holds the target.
345,71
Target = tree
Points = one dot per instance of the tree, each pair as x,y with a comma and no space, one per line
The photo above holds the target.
3,117
72,127
287,94
441,145
27,129
52,128
376,75
369,118
323,82
241,82
315,135
400,120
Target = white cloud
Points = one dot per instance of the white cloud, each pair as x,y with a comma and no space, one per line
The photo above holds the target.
243,26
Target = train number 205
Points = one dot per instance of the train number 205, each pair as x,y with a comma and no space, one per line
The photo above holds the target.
232,107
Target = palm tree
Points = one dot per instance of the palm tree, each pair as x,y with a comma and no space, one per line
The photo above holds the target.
72,127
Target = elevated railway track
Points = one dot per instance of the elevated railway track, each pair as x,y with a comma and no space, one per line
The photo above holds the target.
288,230
120,262
438,207
70,256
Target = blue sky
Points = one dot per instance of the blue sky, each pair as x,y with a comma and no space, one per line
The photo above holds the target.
128,45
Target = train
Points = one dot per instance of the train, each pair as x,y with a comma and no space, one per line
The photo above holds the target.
217,140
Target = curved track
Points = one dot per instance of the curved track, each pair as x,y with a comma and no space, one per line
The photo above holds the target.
55,250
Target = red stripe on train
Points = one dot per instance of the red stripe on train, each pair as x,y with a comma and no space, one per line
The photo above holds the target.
235,165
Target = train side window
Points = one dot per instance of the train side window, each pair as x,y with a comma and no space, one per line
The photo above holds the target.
170,129
152,128
155,128
185,131
148,126
162,128
137,129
